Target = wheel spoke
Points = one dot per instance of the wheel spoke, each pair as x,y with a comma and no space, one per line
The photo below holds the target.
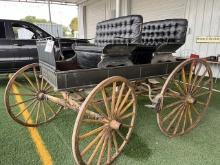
198,82
99,111
106,102
174,94
196,76
47,89
127,116
50,108
126,108
124,101
178,122
36,78
121,135
42,83
22,102
45,86
190,115
91,121
115,142
183,74
119,96
172,112
201,103
201,87
113,97
102,151
27,86
203,93
184,121
44,112
30,82
127,126
31,111
38,110
109,150
173,104
96,150
190,76
91,133
91,144
194,109
179,87
174,119
26,108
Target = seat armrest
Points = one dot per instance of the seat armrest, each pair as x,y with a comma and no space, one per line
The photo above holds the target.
169,47
119,49
82,44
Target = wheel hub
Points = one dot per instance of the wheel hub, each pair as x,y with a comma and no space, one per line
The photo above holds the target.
114,124
40,95
190,99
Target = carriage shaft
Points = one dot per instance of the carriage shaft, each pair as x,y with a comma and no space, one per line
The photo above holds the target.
70,103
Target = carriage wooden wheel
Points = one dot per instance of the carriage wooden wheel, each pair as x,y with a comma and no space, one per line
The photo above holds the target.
188,91
100,138
24,97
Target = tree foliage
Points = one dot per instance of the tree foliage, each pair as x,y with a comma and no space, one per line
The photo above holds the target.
74,24
33,19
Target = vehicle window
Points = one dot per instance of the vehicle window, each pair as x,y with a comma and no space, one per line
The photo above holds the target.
2,30
23,32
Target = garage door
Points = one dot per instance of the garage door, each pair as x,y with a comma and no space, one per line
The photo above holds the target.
95,12
158,9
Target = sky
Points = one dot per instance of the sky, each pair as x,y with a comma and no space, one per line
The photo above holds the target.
61,14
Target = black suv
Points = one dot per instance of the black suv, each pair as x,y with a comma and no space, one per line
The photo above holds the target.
18,44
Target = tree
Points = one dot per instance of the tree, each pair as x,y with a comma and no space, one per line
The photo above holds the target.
74,25
33,19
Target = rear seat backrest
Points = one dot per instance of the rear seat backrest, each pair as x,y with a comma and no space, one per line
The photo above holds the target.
124,27
165,32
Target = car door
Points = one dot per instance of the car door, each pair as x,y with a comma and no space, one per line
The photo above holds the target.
6,52
23,41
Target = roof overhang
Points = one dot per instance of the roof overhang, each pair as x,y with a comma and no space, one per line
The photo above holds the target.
59,2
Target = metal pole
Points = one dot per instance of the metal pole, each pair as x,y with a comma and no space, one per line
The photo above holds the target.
50,16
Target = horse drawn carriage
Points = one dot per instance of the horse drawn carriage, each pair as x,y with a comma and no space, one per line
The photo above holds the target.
101,83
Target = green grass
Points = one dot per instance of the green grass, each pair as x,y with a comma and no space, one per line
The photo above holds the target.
147,145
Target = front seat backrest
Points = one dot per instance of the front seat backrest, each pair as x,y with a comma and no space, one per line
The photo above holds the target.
121,30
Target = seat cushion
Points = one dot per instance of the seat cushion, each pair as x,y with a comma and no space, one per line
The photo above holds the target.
92,48
88,60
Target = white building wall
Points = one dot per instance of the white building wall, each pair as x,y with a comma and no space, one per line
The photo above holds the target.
95,12
158,9
204,20
203,17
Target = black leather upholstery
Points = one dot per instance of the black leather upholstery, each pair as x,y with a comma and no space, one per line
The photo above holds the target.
121,30
166,35
154,36
89,48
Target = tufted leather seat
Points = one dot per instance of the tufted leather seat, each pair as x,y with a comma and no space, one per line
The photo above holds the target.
165,35
117,31
160,36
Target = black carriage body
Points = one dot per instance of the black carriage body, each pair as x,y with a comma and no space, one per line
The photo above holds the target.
62,79
156,36
65,80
